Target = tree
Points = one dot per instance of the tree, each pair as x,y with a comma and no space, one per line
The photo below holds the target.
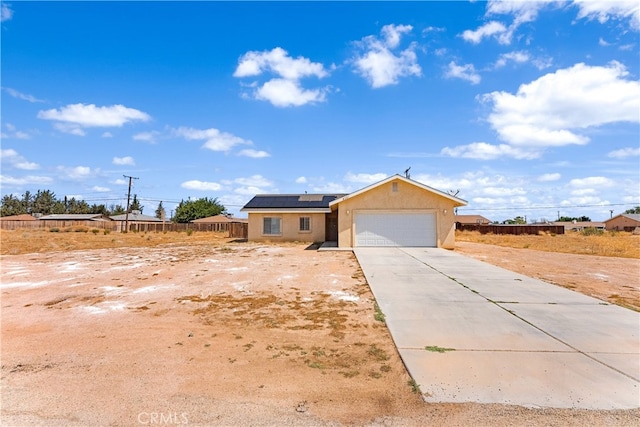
77,206
635,210
516,220
160,212
11,205
135,204
45,202
99,209
201,208
117,210
572,218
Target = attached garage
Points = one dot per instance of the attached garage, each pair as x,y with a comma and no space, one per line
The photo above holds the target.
391,228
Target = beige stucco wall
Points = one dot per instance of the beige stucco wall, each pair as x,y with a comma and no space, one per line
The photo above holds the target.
619,223
290,224
408,197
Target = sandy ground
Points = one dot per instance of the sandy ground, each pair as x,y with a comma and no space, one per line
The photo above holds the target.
231,334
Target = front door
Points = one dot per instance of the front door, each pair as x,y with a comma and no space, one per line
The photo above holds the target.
331,227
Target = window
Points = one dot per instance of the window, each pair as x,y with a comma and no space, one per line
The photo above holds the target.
305,223
271,225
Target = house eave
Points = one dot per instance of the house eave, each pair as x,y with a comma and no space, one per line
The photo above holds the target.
286,210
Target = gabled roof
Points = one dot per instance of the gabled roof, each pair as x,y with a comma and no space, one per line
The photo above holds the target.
471,219
217,219
74,217
456,200
135,217
318,203
22,217
634,217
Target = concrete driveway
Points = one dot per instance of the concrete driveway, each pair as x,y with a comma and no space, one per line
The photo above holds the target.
494,336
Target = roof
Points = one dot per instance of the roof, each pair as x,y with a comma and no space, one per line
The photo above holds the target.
291,203
579,224
74,217
217,219
457,201
135,217
471,219
22,217
633,217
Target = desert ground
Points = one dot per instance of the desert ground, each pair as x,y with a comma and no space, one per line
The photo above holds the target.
115,330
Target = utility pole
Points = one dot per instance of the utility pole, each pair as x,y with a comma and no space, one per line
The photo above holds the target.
611,212
126,216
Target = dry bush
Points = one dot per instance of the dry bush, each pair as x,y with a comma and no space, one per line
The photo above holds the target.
613,244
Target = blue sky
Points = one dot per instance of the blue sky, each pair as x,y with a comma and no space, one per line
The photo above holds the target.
523,108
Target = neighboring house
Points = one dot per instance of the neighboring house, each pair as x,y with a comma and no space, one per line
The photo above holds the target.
23,217
219,219
135,216
472,220
220,222
396,211
623,222
74,217
579,225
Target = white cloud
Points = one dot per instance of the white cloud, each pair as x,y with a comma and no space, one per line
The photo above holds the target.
124,161
285,90
332,188
74,117
584,192
120,181
592,181
14,133
201,185
76,173
518,57
16,94
549,177
99,189
12,157
603,11
379,65
301,180
249,190
6,13
254,181
288,93
215,139
624,152
256,154
464,72
278,61
487,30
365,178
485,151
6,180
107,135
551,110
151,136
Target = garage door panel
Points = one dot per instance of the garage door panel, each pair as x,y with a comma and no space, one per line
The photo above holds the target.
395,229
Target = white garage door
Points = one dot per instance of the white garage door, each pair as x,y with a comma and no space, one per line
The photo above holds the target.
395,229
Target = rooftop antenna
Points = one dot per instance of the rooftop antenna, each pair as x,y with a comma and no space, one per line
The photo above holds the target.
406,173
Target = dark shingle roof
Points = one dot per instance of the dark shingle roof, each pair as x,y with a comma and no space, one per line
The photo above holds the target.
291,201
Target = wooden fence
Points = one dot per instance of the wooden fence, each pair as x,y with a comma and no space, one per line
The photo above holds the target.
237,230
511,229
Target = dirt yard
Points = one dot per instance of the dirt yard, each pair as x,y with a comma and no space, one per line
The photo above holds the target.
218,333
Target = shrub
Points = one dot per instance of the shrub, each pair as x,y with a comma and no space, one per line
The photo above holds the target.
592,231
54,230
189,231
106,232
95,230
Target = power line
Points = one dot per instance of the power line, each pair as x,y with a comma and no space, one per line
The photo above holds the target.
546,207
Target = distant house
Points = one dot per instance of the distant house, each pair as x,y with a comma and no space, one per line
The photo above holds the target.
135,216
15,222
74,217
23,217
218,222
623,222
472,219
396,211
579,225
